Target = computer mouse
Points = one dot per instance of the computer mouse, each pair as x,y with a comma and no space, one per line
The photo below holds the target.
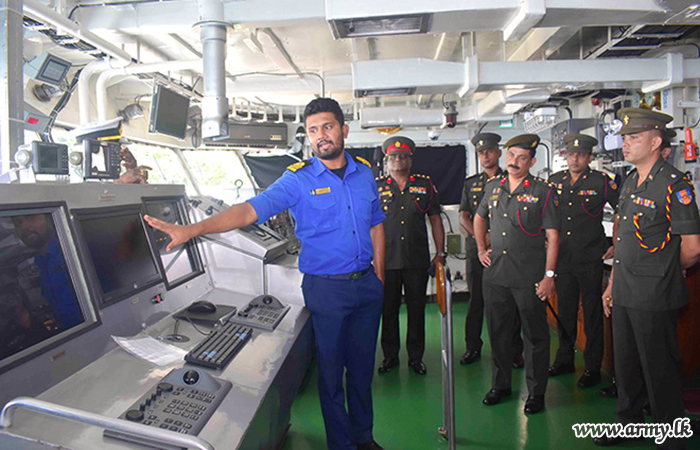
202,306
190,377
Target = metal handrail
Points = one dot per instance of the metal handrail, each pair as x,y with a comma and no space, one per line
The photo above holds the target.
444,300
118,425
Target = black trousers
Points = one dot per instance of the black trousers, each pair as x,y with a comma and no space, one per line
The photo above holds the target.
585,282
647,363
414,282
475,311
502,306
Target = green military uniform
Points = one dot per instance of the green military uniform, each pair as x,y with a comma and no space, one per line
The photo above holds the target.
581,246
407,254
648,286
518,221
472,193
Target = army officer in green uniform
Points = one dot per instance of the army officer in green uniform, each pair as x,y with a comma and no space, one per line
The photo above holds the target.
657,212
486,146
406,198
519,269
583,193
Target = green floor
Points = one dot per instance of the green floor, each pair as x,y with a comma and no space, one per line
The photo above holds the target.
408,407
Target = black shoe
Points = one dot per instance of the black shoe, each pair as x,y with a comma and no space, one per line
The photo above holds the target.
370,446
518,362
534,404
605,441
609,392
494,396
418,367
560,369
470,356
588,379
388,364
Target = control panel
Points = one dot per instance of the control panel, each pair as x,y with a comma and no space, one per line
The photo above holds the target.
182,402
264,311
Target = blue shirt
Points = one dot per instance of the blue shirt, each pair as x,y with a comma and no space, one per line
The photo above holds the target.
333,216
56,286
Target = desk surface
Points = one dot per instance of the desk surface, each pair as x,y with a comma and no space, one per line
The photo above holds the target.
110,385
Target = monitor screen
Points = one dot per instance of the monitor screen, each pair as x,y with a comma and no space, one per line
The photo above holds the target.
50,158
169,113
114,241
101,159
44,298
182,263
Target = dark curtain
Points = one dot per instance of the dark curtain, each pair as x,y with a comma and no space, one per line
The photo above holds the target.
446,166
267,169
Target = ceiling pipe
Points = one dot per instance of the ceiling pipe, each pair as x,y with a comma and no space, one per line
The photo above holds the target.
84,84
213,35
103,79
48,16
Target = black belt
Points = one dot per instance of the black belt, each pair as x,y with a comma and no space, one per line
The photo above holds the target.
347,276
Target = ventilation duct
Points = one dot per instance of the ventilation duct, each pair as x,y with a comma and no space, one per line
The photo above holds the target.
214,102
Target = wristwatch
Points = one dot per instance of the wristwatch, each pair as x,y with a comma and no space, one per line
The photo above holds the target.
549,274
443,254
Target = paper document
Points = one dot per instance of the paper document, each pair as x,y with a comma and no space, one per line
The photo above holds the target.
151,349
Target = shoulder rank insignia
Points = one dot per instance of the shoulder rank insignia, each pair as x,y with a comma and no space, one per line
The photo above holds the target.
612,183
685,196
363,161
296,166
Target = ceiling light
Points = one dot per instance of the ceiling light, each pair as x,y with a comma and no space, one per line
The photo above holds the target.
386,92
380,26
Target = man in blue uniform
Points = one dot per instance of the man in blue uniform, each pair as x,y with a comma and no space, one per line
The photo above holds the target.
406,199
583,193
334,200
37,232
486,146
656,213
519,268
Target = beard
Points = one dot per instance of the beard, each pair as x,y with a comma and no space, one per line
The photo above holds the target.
329,152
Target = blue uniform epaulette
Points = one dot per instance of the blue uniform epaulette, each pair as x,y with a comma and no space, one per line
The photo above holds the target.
363,161
301,164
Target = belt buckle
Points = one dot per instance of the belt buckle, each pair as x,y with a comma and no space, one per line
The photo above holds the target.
355,275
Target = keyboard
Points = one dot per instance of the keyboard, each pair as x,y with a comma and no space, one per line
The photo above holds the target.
182,402
264,311
219,348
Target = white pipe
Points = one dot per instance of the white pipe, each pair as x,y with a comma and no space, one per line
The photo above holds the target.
84,84
103,79
38,11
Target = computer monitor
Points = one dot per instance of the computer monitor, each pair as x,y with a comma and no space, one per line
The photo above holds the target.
169,113
101,159
182,263
44,299
49,158
114,241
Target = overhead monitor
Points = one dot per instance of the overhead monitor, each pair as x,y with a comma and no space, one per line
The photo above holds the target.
47,68
50,158
101,159
182,263
44,299
169,113
114,241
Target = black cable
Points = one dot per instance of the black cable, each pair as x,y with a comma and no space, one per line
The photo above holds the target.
60,105
197,328
571,114
448,220
696,124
